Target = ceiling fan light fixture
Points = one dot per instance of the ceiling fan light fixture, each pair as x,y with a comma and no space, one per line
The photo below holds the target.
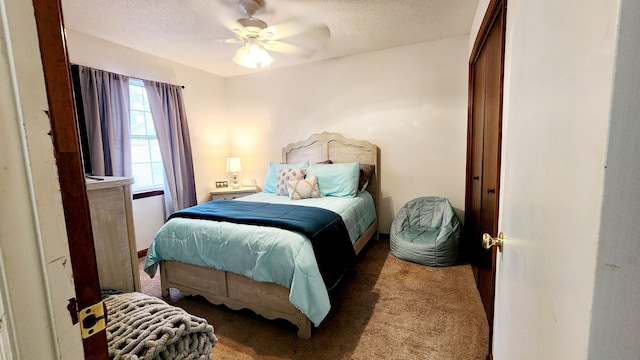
257,37
252,55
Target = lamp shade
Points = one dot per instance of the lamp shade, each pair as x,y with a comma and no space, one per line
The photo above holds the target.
252,55
233,164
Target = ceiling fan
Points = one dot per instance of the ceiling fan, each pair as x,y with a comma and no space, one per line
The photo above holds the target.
257,37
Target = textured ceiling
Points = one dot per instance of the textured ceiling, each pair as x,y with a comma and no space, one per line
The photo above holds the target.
190,32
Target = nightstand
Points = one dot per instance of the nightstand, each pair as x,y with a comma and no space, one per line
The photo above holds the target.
230,193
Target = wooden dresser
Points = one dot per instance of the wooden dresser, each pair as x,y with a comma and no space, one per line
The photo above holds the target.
111,210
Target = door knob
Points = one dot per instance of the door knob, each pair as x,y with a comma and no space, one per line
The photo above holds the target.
488,241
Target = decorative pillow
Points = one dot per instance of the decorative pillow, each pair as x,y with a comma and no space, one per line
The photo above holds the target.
366,171
325,162
336,179
272,174
286,175
303,189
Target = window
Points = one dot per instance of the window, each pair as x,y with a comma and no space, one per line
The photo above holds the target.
146,161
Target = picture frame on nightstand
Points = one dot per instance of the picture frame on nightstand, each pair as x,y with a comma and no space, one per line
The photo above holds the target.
222,184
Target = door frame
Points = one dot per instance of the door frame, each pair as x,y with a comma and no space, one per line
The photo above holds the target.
496,12
55,64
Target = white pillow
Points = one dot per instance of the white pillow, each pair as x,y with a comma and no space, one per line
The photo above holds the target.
286,175
304,188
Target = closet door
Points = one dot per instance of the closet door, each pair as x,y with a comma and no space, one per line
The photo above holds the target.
483,151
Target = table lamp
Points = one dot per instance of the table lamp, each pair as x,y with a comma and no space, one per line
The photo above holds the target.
233,166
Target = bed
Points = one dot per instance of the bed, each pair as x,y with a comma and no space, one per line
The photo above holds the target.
288,287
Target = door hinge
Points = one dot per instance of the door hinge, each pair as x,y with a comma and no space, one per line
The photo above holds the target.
92,319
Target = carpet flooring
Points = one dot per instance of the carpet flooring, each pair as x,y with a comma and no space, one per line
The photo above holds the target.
385,309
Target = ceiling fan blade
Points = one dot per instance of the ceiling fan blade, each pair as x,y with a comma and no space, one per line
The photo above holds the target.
293,28
233,41
232,24
282,47
224,13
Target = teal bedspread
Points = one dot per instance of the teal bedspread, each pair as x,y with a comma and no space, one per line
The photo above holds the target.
262,253
324,228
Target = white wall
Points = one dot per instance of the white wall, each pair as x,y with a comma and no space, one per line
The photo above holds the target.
615,321
204,98
148,217
481,9
411,101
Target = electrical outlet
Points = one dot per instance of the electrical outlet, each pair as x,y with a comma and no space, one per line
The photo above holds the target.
249,182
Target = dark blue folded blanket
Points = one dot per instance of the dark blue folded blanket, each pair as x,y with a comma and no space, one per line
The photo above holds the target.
324,228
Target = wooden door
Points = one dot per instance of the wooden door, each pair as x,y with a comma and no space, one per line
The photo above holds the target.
486,66
55,64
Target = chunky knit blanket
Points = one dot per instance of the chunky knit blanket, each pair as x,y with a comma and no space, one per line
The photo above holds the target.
144,327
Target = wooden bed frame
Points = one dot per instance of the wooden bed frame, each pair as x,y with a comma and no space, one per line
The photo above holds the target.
268,299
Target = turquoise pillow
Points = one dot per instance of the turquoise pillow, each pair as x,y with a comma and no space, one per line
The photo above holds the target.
271,179
337,179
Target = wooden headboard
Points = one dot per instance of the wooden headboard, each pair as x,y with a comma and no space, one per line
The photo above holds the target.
337,148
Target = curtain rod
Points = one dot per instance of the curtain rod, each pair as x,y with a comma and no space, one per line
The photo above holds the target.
135,77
